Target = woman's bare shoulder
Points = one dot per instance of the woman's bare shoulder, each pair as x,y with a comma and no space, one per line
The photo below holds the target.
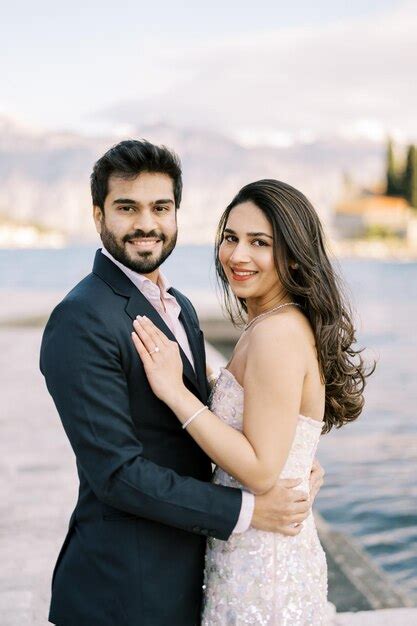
285,326
276,341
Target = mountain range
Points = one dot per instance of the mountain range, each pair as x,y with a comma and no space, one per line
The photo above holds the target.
44,175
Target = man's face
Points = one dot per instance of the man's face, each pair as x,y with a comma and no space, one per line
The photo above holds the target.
139,225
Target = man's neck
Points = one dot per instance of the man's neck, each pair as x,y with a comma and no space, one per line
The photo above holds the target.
152,276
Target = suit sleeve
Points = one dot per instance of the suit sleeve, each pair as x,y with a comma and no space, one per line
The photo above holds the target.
82,367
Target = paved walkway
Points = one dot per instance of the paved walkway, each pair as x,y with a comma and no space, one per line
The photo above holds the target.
37,482
38,490
386,617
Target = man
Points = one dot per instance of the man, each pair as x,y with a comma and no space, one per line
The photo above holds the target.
134,552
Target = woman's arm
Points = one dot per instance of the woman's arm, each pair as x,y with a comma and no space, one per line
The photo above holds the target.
273,383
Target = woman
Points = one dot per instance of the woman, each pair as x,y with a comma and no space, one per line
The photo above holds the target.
294,374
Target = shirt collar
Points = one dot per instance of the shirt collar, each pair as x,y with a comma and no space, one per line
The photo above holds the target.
144,284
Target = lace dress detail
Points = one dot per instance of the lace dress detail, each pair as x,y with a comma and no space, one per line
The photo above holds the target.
259,577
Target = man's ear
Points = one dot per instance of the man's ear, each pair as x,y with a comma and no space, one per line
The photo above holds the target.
98,217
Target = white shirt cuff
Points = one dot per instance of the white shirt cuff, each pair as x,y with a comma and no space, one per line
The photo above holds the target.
246,513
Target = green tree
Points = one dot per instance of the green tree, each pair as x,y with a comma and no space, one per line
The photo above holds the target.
393,182
410,177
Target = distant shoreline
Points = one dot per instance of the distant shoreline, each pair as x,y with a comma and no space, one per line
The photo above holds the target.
383,250
378,249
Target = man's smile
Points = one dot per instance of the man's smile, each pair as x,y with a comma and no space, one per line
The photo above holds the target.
144,243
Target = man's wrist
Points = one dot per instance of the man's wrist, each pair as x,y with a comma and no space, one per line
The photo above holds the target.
246,513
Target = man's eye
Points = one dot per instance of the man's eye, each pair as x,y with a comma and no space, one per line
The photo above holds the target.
126,209
159,208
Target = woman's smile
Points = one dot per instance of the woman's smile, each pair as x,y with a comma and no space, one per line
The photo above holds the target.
241,275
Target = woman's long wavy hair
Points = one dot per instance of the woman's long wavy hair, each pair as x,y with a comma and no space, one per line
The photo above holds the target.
298,239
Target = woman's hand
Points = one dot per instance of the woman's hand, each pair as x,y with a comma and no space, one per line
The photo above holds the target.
161,359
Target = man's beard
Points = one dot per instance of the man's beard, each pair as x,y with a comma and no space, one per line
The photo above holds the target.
144,263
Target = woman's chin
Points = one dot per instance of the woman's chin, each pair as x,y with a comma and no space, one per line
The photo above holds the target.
241,292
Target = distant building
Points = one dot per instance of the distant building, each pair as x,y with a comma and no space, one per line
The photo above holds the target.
358,217
15,235
412,233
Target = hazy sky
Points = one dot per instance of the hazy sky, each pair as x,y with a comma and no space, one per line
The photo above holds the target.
253,69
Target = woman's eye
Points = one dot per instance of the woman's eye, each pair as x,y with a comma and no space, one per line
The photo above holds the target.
230,238
259,242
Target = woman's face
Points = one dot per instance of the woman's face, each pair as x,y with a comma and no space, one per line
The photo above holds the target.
246,254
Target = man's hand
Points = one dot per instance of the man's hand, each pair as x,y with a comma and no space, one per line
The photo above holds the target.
282,509
316,479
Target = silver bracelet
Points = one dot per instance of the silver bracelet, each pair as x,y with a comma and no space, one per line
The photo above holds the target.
190,419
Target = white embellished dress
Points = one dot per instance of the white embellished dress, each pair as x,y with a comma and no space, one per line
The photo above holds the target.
260,577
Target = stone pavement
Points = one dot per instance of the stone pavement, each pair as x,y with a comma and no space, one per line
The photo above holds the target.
37,482
385,617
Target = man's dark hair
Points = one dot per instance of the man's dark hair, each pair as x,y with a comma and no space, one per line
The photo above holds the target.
128,159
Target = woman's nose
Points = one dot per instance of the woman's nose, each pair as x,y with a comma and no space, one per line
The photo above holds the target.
240,254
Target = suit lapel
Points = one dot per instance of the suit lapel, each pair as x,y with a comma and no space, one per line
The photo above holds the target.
193,335
137,304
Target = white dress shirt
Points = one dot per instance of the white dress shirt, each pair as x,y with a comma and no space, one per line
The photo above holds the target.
169,309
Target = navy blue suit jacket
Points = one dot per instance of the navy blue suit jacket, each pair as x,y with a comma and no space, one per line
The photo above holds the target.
134,552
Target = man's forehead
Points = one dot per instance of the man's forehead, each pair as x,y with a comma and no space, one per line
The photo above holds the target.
147,184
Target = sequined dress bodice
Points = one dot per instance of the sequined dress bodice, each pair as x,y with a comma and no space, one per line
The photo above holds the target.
259,577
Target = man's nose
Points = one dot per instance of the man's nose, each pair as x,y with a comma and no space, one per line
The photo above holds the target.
145,221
